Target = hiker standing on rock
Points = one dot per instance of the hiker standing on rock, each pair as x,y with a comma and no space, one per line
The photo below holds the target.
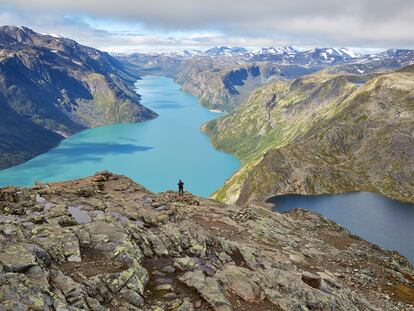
180,187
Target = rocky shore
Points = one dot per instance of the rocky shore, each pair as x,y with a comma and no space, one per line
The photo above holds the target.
107,243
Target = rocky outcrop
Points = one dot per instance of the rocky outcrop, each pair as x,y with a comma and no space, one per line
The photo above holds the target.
107,243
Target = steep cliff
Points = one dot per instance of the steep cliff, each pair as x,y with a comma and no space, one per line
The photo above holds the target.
53,87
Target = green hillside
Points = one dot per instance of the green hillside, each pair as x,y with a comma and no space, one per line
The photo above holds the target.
322,134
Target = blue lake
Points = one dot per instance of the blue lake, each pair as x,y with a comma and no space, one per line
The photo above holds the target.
387,223
154,153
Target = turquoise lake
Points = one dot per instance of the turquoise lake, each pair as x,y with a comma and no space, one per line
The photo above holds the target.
154,153
157,153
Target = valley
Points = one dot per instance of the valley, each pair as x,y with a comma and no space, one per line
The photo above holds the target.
303,122
277,138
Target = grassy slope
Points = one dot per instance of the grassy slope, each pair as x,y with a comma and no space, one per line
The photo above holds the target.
325,134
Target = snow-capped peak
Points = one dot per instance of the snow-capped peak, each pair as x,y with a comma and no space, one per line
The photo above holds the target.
274,51
349,52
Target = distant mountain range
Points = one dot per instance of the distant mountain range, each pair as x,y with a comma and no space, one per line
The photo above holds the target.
225,51
316,56
223,77
52,87
286,55
283,54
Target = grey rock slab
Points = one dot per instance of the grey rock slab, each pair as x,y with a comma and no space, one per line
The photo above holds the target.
185,264
312,279
16,258
209,289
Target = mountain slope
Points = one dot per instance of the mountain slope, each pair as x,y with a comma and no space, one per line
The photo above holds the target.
322,134
51,86
16,139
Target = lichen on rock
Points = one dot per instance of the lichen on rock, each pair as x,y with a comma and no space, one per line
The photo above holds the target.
200,255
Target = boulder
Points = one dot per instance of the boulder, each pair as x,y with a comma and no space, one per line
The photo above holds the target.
241,281
16,258
209,289
186,306
60,243
168,269
165,287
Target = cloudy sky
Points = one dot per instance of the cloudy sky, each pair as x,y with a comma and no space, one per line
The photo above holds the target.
128,25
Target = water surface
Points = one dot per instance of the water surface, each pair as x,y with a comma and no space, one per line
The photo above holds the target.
154,153
382,221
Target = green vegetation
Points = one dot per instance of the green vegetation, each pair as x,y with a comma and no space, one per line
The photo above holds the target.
323,133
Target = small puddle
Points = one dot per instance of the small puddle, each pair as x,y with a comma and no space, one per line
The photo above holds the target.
81,216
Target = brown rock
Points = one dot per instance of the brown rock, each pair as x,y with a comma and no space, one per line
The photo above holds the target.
311,279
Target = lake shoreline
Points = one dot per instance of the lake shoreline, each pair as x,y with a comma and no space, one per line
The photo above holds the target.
371,216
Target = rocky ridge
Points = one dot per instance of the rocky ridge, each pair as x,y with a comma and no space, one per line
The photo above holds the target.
107,243
322,133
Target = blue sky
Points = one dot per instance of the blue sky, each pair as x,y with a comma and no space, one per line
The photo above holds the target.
130,25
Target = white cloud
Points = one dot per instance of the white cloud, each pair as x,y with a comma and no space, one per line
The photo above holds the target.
104,23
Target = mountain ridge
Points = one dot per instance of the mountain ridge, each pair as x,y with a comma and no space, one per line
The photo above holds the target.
205,75
61,87
321,134
105,242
